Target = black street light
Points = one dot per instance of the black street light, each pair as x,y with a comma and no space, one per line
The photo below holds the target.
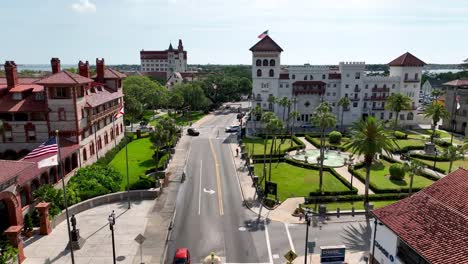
373,243
111,220
307,218
435,160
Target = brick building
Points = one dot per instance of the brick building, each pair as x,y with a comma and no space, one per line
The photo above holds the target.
80,106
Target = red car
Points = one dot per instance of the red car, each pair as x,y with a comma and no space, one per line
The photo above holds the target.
182,256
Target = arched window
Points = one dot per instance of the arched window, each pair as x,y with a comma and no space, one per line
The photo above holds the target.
91,148
305,78
259,73
272,62
272,73
406,76
293,76
265,62
416,76
85,154
258,62
384,86
410,116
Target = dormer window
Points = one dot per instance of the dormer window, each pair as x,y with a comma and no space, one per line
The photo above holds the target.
17,96
39,96
59,92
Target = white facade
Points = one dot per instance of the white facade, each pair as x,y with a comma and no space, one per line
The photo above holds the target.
168,61
348,79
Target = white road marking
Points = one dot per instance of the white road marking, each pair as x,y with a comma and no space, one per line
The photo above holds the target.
208,191
267,237
242,228
289,237
276,256
199,192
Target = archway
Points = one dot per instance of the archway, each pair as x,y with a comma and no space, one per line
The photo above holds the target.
74,161
44,178
10,154
10,212
53,175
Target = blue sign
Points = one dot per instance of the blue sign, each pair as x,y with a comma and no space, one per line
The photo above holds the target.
384,251
332,254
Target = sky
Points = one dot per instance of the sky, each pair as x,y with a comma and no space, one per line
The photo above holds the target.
222,31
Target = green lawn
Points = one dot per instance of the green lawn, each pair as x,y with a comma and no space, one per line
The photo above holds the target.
444,165
358,205
445,135
379,176
299,182
140,154
409,142
189,117
258,145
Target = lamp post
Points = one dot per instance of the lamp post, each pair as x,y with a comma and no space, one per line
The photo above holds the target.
111,220
435,159
307,217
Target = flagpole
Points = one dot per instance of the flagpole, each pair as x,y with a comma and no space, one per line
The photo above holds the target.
126,159
60,169
113,129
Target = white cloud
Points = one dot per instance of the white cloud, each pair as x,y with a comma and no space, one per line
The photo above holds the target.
84,6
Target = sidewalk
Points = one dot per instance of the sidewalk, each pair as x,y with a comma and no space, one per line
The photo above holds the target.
94,228
308,145
352,258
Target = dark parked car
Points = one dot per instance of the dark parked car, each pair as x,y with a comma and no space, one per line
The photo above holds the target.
192,131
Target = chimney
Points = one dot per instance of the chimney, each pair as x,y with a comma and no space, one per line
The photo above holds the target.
100,70
55,62
180,47
83,69
11,74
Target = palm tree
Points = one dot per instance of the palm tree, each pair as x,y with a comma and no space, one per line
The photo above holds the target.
398,102
273,126
452,153
266,119
436,112
344,102
293,115
323,118
369,137
435,94
272,100
413,167
284,102
257,111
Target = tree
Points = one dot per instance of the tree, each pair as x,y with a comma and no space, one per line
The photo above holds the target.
272,100
344,102
176,101
323,119
437,112
49,194
284,102
159,137
273,126
452,153
369,137
266,119
413,167
293,115
398,102
193,95
150,94
256,112
133,109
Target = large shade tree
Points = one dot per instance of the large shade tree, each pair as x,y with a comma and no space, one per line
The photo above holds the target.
323,119
396,103
368,138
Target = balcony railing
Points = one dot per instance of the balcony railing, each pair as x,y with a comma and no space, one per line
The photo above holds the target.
354,99
412,80
258,99
357,90
376,98
380,90
378,108
95,117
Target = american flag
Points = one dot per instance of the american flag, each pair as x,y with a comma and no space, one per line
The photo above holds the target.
120,113
50,146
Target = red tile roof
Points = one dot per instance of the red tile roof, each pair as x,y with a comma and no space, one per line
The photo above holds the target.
28,104
308,83
103,96
110,73
407,59
284,76
434,221
157,54
266,44
25,87
64,77
20,80
11,169
458,82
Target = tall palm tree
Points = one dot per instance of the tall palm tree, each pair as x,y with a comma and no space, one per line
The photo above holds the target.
272,100
266,119
288,105
413,167
284,102
397,102
273,126
344,102
436,112
435,94
324,119
257,111
293,116
452,153
369,137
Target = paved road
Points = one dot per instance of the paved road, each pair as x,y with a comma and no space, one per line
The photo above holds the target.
210,216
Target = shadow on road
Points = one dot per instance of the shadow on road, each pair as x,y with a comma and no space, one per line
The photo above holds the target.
357,237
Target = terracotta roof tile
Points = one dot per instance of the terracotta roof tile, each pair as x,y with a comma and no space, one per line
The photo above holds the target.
103,96
110,73
11,168
25,87
433,221
64,77
28,104
20,80
458,82
266,44
407,59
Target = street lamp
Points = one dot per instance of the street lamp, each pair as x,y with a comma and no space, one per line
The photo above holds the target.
435,159
307,218
111,220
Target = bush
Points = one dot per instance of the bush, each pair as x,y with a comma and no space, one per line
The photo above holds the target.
143,183
163,161
111,153
397,172
442,143
428,157
49,194
334,137
400,135
354,197
28,224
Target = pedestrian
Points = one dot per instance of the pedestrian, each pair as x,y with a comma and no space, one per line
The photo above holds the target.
237,152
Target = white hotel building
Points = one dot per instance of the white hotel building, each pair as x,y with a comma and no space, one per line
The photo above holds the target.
308,85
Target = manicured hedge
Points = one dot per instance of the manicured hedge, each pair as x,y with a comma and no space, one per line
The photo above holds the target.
334,137
354,197
428,157
442,143
300,145
400,135
407,148
397,171
104,161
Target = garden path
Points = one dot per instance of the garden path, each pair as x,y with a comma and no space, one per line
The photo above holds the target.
308,145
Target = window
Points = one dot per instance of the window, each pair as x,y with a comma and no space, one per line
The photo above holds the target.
272,62
410,116
265,62
61,92
393,86
80,91
99,143
62,114
307,104
39,96
390,115
259,63
311,77
357,75
106,139
121,128
367,86
259,73
406,76
334,85
402,116
334,93
281,85
347,75
416,76
85,155
346,85
324,76
382,115
112,133
355,104
272,73
91,148
407,254
287,85
30,132
293,76
305,77
7,133
356,86
328,85
328,94
17,96
346,95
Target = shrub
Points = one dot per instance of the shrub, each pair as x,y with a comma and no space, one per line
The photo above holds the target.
397,172
442,143
143,183
400,135
49,194
28,224
334,137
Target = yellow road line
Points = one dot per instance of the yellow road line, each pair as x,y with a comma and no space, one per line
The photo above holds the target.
218,179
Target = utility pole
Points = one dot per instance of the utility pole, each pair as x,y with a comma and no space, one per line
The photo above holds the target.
307,216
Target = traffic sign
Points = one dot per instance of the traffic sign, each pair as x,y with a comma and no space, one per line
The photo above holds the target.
140,239
290,256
